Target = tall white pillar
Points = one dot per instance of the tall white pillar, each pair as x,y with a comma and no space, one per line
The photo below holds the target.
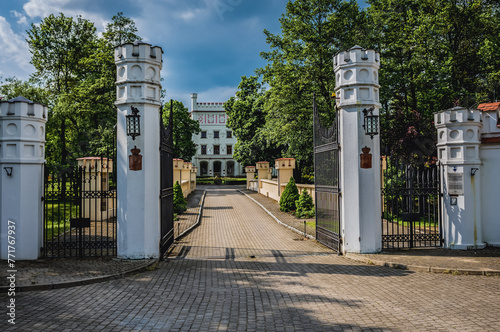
22,142
459,140
138,85
356,86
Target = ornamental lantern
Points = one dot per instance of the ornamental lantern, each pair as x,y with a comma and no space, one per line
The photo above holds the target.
371,122
134,123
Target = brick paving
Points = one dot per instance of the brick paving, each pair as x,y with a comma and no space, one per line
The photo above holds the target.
273,206
189,218
240,271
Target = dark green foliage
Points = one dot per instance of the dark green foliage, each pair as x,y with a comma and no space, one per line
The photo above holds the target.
246,117
299,64
183,127
13,87
289,196
76,67
305,205
434,55
121,30
180,203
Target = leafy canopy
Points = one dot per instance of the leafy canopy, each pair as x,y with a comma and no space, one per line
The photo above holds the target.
183,128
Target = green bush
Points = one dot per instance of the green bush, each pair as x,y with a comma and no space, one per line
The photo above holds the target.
305,202
305,205
180,203
289,196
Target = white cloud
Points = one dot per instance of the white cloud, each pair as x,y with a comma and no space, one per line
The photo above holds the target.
43,8
21,19
14,49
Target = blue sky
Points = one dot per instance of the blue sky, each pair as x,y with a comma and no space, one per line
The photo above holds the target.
208,44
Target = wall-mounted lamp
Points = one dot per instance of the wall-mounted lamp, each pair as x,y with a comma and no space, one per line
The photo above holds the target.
134,123
371,122
473,171
8,170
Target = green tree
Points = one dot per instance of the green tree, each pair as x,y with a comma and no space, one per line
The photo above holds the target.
78,70
121,30
13,87
183,128
246,118
58,46
180,203
305,205
289,196
299,64
434,54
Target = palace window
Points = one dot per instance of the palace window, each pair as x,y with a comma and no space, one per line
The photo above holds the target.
203,149
216,134
229,149
216,149
203,134
229,134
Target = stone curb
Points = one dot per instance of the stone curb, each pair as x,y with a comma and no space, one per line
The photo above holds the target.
276,219
198,219
81,282
419,268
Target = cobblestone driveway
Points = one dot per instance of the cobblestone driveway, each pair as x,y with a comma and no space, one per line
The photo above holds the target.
240,271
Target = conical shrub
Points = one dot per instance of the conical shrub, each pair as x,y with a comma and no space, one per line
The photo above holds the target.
305,202
305,205
289,196
180,203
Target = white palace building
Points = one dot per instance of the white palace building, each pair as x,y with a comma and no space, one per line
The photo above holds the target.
215,142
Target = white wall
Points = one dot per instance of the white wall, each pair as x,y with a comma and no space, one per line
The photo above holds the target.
490,192
490,178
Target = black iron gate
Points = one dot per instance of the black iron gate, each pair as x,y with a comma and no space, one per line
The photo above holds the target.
80,209
167,184
326,182
411,196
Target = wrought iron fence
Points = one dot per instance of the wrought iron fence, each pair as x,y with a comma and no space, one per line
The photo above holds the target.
326,180
411,213
80,210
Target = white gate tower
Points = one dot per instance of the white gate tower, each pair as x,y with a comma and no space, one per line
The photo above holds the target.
357,89
138,85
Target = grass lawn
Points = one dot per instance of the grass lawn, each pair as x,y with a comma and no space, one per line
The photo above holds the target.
399,220
57,217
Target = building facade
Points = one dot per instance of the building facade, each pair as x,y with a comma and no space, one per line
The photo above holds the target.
215,143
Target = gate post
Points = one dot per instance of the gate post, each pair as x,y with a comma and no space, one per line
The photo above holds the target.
250,170
459,140
22,158
262,172
357,89
138,85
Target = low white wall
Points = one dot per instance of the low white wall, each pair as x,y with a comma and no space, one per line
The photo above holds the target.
269,188
490,189
253,185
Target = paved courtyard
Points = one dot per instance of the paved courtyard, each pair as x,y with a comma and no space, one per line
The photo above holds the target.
241,271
